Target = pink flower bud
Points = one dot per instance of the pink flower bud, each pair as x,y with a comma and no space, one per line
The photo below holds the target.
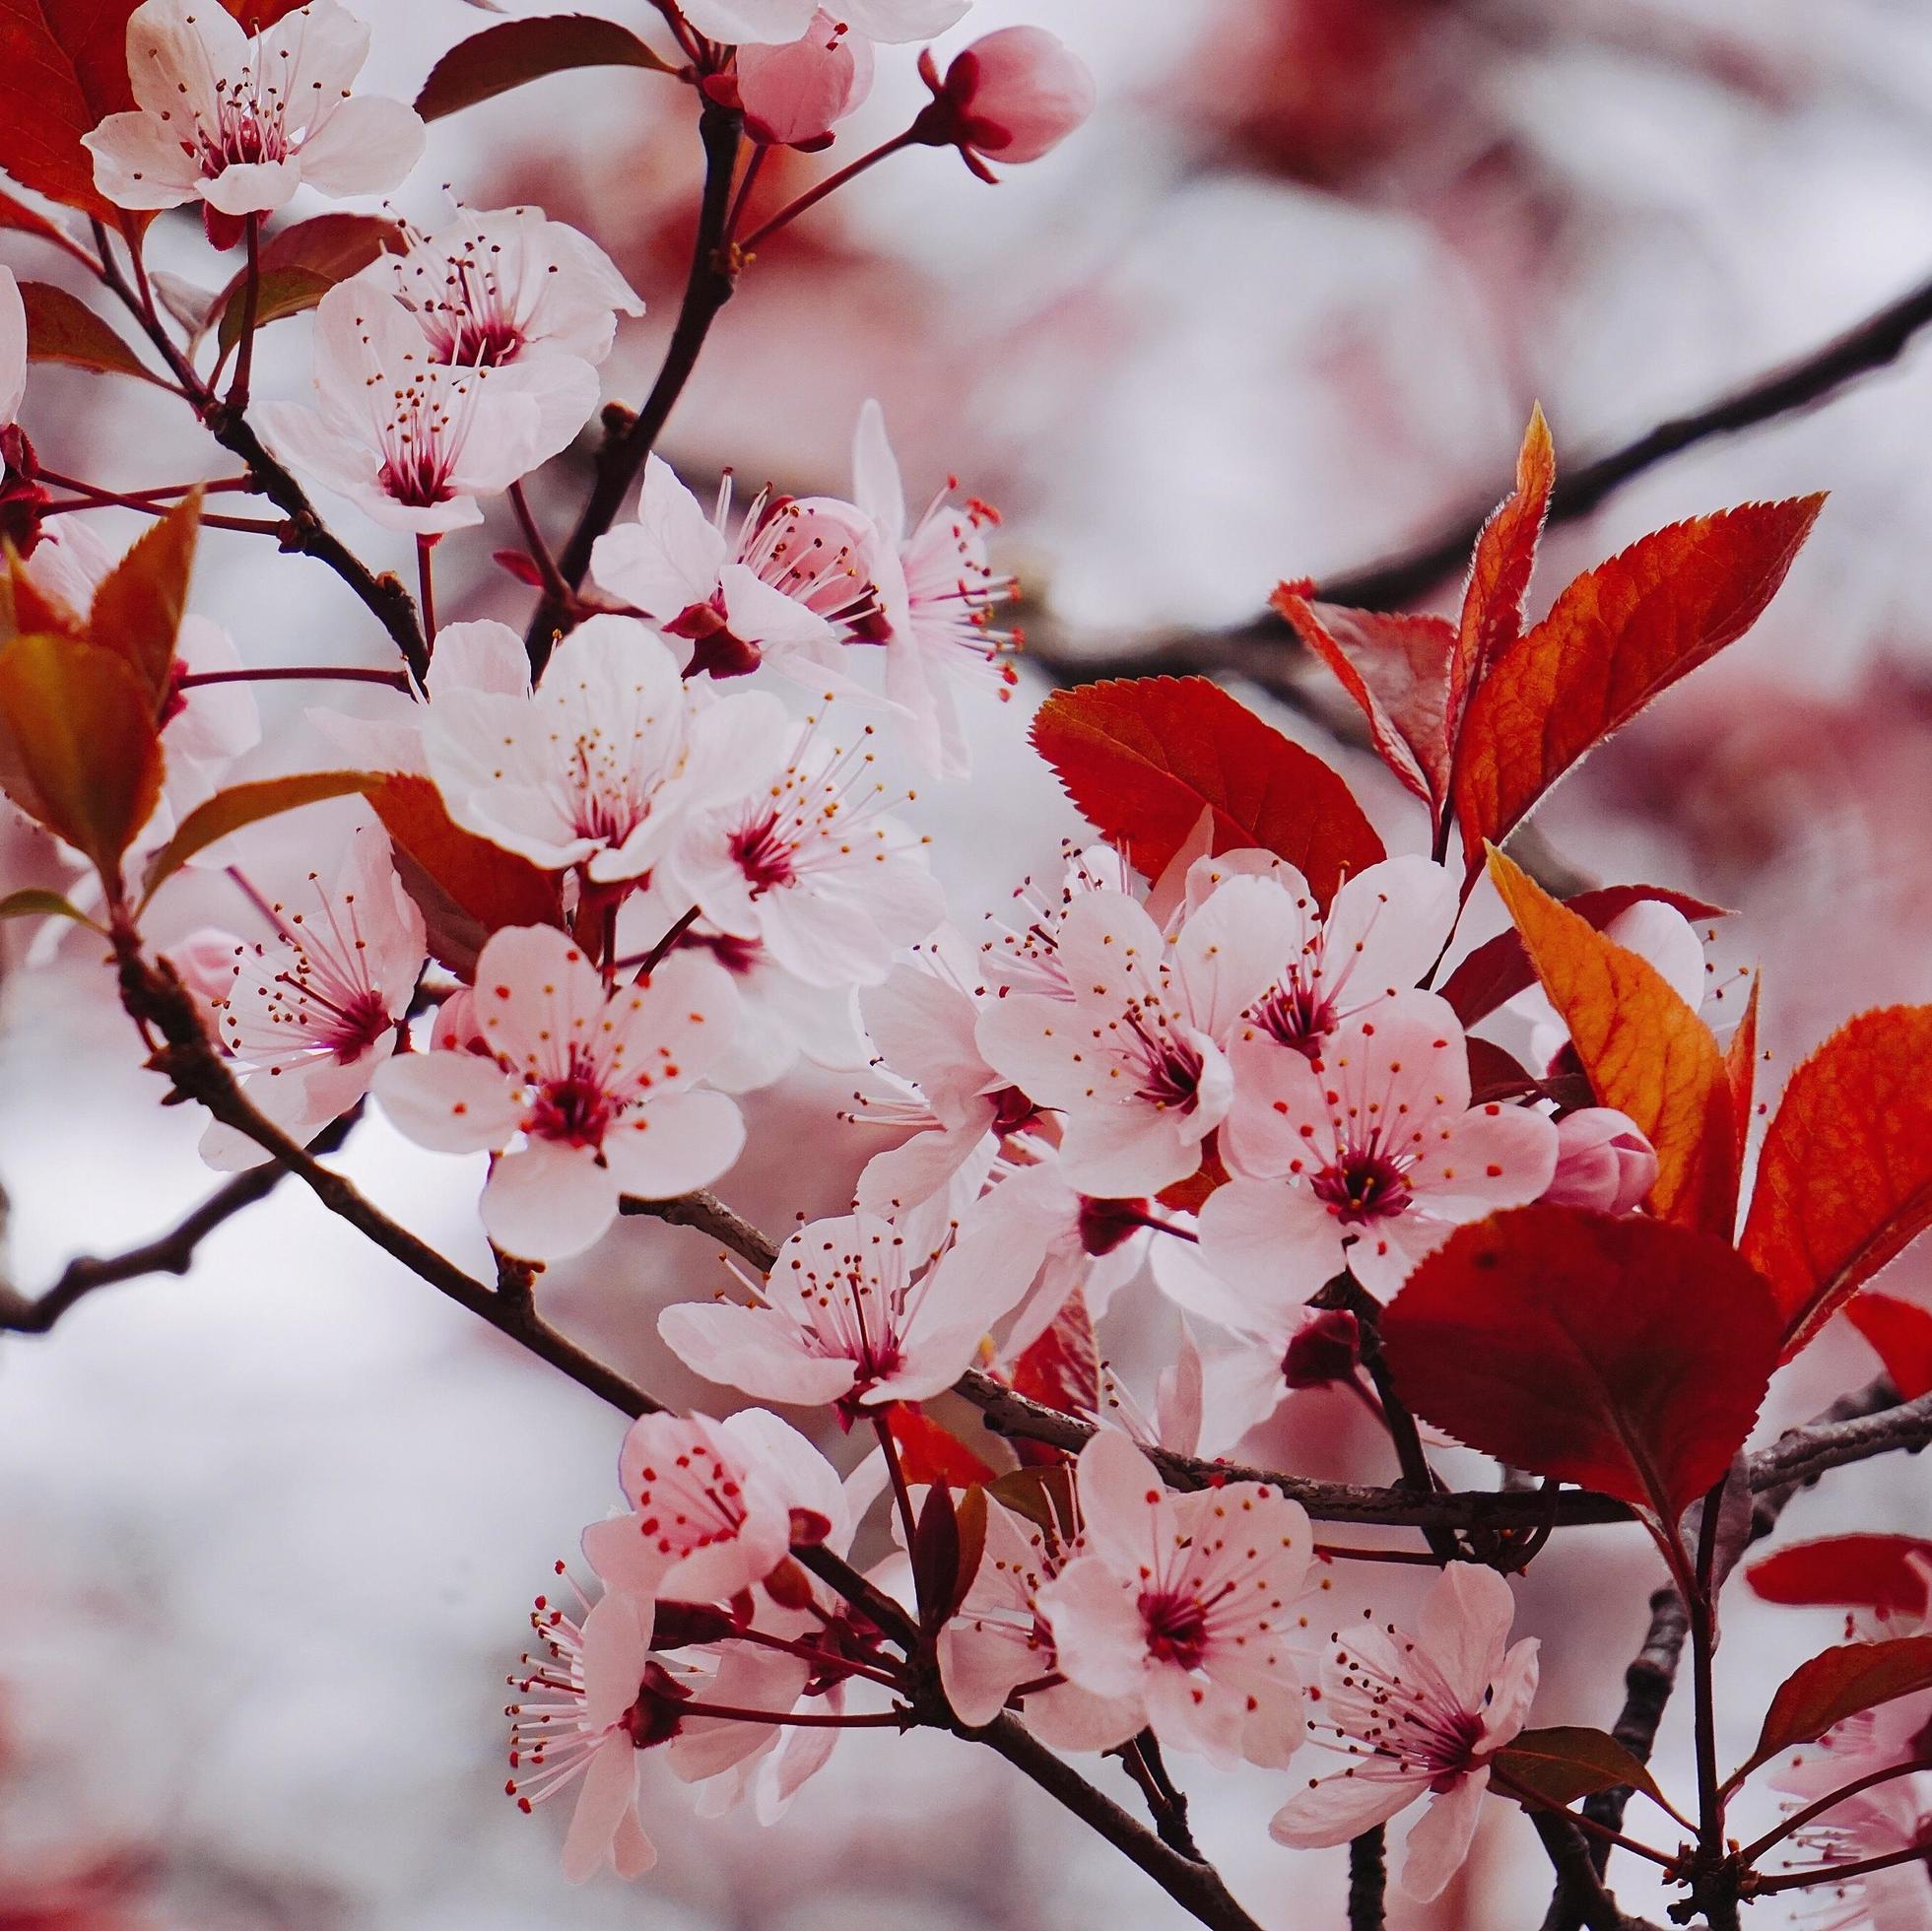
1325,1348
1603,1160
793,95
1012,97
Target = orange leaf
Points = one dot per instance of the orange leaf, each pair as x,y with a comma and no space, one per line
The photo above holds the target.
1395,669
1061,1370
1741,1069
1901,1335
1617,637
247,804
79,750
63,70
930,1454
1844,1178
467,887
24,606
1499,571
138,608
1613,1351
1644,1051
1140,757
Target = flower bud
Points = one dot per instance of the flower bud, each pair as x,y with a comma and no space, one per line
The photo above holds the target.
792,96
1012,97
1325,1348
1603,1160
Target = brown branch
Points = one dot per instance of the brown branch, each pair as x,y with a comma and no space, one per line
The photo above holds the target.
1368,1879
1569,1855
710,286
172,1252
1853,1428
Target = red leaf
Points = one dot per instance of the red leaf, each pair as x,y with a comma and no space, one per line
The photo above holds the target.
520,51
1617,637
63,70
138,605
1395,669
1836,1685
18,215
1885,1573
1563,1763
1620,1353
1140,757
1901,1335
1499,571
1496,1074
1741,1069
302,263
930,1455
1061,1370
1844,1178
258,16
62,328
467,887
1499,969
1644,1051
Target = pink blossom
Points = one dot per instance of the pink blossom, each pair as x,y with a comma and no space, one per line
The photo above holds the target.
808,862
736,22
799,569
998,1639
715,1506
597,766
851,1314
1370,1155
308,1016
1012,97
593,1086
242,121
937,592
1023,953
1381,933
1134,1060
23,497
531,300
13,349
594,1694
1183,1607
1603,1162
795,95
410,440
1420,1715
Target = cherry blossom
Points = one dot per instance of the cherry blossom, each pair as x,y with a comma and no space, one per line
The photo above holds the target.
242,121
1383,932
715,1506
937,592
590,1088
1603,1162
1012,97
852,1313
1184,1607
597,766
735,22
308,1016
1369,1155
1023,953
998,1640
808,863
1136,1058
794,95
799,567
21,497
410,440
531,300
1421,1717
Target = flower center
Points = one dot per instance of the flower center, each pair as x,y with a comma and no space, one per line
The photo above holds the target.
1171,1074
654,1717
1297,1016
575,1109
1362,1186
1452,1748
764,858
479,341
1176,1627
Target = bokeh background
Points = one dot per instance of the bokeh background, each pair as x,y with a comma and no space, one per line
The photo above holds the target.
267,1534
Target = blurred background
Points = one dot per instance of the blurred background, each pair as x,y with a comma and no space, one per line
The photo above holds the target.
268,1533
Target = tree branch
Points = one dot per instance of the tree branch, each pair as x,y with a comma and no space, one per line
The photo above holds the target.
1368,1880
708,288
172,1252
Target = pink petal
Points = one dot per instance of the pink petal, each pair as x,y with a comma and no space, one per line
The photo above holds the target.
608,1791
453,1103
754,1349
1334,1809
547,1201
1439,1842
672,1145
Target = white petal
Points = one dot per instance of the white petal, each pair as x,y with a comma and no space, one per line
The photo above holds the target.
547,1201
453,1103
366,146
672,1145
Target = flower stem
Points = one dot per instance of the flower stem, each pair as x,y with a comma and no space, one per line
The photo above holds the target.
339,673
425,579
831,183
251,294
881,1419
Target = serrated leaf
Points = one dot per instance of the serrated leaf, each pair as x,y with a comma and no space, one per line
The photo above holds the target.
1646,1052
1568,1762
1142,757
299,265
138,604
62,328
1845,1177
248,804
1618,1352
1616,637
1836,1684
79,750
519,51
63,70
